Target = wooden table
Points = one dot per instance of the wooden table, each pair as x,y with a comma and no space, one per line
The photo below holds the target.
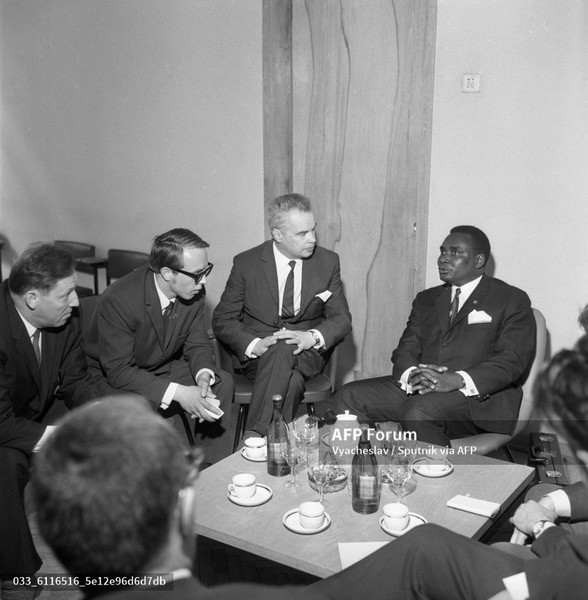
260,530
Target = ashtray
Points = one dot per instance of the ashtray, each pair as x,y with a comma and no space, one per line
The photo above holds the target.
336,484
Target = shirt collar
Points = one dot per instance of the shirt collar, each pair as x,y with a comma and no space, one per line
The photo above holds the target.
466,288
30,328
281,260
163,299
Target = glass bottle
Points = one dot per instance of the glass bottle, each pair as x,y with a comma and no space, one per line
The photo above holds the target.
277,440
365,485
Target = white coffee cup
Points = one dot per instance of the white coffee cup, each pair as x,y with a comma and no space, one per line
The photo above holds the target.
396,516
311,515
255,447
243,486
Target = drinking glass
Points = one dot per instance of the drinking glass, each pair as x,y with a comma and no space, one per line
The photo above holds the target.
305,429
293,454
399,472
322,474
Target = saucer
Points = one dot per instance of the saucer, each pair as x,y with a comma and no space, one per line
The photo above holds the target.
414,521
292,522
260,459
426,471
262,494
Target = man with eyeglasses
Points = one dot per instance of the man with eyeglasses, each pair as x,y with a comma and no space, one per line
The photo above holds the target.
148,337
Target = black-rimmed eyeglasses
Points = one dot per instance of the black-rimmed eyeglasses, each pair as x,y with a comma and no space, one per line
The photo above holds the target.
197,277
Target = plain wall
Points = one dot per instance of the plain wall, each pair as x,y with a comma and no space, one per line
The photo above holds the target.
124,118
512,159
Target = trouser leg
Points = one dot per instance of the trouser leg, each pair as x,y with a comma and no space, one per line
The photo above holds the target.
272,373
427,562
18,555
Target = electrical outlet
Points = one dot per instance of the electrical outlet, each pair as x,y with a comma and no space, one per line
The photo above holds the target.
470,83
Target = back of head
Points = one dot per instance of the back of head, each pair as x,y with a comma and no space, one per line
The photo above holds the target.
40,267
561,390
480,241
282,205
106,485
167,249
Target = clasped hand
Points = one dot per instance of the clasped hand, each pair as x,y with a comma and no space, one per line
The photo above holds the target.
304,340
530,513
194,399
434,378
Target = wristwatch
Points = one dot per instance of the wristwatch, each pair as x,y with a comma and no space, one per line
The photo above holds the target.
316,337
538,528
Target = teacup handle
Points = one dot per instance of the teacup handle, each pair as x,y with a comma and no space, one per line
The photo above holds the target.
232,489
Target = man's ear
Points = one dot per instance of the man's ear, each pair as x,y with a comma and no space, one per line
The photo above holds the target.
277,234
166,273
582,456
31,299
186,510
480,261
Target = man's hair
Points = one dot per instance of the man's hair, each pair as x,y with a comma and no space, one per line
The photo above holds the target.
282,205
106,485
481,243
167,249
561,390
40,267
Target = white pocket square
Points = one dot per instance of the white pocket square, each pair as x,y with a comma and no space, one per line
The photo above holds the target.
324,296
479,316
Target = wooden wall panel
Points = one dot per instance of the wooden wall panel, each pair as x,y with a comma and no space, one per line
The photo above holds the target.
277,98
362,96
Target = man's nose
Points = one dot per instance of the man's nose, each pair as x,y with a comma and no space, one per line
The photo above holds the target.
74,301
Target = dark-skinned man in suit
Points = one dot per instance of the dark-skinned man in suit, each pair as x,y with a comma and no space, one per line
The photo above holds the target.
460,363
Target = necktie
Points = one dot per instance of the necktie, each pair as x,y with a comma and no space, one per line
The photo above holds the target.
288,300
454,306
36,346
166,316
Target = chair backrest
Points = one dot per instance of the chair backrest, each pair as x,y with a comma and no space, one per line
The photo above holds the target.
121,262
528,401
78,249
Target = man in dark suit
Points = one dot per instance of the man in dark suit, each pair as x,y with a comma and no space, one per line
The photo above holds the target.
461,361
282,311
148,337
42,371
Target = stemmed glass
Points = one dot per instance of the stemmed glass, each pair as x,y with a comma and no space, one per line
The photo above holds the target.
399,472
322,474
293,454
305,429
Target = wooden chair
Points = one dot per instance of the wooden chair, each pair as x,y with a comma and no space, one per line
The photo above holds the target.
486,443
317,389
121,262
86,262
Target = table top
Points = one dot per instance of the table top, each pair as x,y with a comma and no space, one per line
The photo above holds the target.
259,529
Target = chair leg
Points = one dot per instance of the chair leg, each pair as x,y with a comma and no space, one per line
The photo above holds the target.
508,452
240,427
310,408
189,434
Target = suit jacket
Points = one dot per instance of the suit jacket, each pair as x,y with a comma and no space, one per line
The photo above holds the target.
249,305
126,341
192,589
496,354
564,572
28,392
